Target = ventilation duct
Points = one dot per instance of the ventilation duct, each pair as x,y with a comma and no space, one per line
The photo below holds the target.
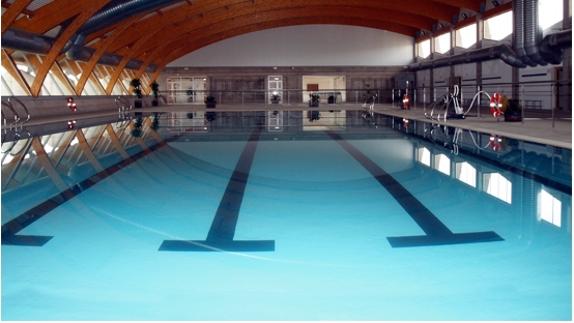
109,15
503,52
552,46
532,33
26,41
518,31
529,48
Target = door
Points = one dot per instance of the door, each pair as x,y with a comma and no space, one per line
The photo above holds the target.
275,89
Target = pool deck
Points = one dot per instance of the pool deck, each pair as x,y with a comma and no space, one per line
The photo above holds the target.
535,130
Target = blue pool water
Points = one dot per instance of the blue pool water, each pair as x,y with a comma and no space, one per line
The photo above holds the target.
251,216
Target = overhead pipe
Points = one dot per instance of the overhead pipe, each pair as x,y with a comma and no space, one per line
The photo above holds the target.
552,46
33,43
109,15
518,32
532,33
503,52
23,40
529,49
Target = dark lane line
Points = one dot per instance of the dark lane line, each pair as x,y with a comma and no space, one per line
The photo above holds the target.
11,228
437,233
222,231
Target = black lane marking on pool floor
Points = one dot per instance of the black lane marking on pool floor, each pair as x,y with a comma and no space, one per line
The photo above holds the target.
12,227
437,233
222,231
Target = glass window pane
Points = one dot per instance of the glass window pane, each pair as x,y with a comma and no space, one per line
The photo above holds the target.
442,43
550,12
466,173
442,164
423,48
498,186
549,208
466,36
498,27
55,84
10,86
423,156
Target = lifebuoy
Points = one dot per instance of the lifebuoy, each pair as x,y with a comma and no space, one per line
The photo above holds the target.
406,101
495,143
72,104
496,105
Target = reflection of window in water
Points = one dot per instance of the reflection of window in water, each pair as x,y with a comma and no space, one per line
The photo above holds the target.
549,208
498,186
423,156
466,173
442,164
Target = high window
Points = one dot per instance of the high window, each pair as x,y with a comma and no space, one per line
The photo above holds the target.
498,186
423,156
442,164
423,48
499,26
549,208
550,12
466,36
442,43
466,173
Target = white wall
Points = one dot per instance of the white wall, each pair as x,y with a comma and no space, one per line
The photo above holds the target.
308,45
467,72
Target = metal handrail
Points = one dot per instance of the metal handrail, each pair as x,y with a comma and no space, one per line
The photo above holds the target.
122,103
17,125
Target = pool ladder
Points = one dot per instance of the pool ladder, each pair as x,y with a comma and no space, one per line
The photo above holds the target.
15,115
124,107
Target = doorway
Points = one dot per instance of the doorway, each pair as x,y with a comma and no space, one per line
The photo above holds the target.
187,90
331,88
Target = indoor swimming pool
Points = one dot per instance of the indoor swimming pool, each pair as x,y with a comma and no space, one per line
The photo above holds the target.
282,215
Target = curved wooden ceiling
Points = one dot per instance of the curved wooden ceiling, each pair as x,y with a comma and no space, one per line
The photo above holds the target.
164,35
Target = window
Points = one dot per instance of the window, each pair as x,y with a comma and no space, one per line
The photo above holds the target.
498,186
423,48
498,27
275,89
423,156
442,43
442,164
466,36
550,12
466,173
10,86
549,208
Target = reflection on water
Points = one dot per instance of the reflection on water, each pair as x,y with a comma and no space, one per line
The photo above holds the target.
489,164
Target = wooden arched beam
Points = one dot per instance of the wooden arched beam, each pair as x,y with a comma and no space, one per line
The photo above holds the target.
177,49
100,50
11,68
61,41
12,13
248,18
282,17
54,14
418,9
396,20
168,52
213,26
125,59
473,5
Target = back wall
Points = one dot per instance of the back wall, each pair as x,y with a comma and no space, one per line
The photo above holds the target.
307,45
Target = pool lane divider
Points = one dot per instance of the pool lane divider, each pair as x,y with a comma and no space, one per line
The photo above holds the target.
222,231
11,228
436,232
